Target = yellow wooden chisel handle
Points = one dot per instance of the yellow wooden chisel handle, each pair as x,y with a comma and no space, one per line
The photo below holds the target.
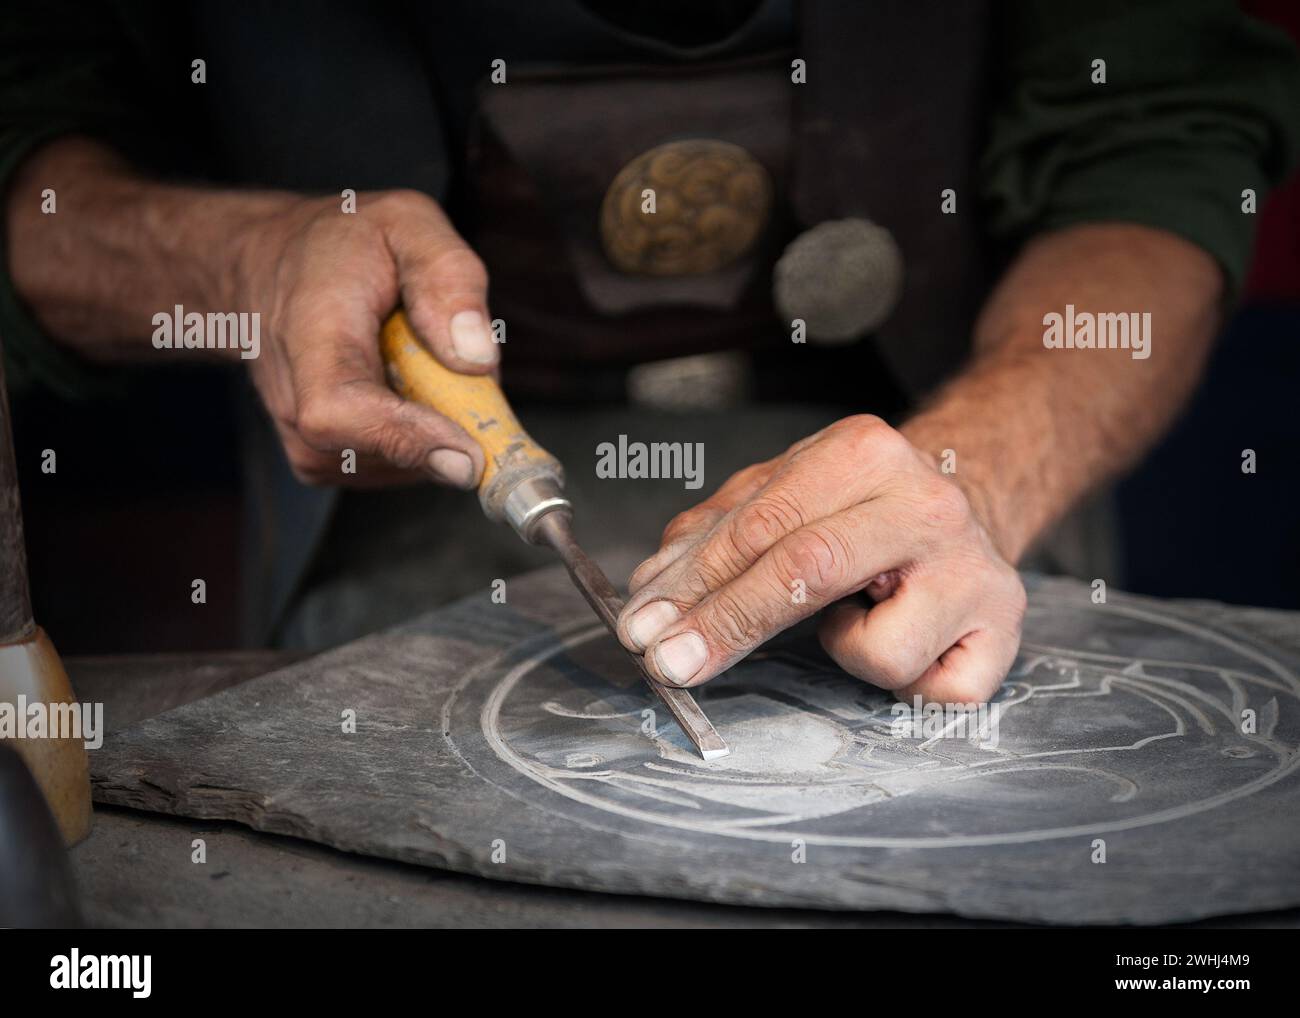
477,404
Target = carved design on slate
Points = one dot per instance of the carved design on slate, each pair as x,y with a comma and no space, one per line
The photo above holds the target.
814,757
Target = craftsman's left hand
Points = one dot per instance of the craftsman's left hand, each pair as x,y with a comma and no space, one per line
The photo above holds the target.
854,509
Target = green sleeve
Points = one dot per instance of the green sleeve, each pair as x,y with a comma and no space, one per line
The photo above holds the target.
63,70
1200,102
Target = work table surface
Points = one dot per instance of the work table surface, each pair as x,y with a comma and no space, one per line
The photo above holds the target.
136,869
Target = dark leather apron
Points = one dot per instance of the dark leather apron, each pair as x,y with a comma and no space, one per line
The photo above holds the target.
889,117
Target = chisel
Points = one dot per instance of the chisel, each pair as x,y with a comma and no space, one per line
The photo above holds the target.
523,485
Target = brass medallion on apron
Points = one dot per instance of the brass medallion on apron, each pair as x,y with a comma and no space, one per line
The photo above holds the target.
685,208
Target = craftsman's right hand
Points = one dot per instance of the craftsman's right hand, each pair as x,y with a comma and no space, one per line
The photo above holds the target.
324,281
854,522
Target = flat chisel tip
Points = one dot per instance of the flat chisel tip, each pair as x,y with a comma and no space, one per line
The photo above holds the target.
554,529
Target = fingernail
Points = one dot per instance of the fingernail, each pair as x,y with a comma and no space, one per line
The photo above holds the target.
649,621
680,657
453,467
471,339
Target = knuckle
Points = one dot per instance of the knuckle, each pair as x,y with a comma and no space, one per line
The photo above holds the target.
646,571
392,444
316,421
860,423
731,626
400,200
872,441
399,432
707,574
817,555
762,523
683,524
866,433
459,264
285,417
753,472
944,506
885,666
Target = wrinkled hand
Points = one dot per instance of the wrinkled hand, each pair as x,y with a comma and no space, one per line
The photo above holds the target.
324,281
854,508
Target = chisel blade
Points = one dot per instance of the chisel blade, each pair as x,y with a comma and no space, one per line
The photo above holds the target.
555,530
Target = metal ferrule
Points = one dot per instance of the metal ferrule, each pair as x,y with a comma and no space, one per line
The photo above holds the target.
529,501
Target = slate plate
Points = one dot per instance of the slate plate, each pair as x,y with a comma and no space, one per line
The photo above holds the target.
513,741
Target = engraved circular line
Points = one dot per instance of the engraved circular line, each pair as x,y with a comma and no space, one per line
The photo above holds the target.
490,713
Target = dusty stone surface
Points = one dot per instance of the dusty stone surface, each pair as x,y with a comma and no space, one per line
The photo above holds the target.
511,741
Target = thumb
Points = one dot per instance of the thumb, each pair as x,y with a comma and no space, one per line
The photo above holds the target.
443,284
342,403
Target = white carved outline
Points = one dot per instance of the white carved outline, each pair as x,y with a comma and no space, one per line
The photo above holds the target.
490,718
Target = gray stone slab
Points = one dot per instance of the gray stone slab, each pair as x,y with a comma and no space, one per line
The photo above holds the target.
513,741
136,686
